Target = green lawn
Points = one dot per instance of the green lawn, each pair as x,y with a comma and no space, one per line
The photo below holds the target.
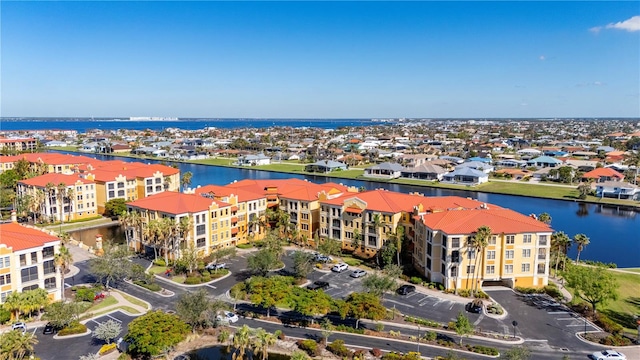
636,270
108,301
623,310
135,301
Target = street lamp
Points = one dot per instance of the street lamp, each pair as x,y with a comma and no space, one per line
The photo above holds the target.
514,323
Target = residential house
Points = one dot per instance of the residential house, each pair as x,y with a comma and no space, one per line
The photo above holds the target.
254,160
427,171
618,189
476,165
325,166
385,170
544,162
27,261
466,176
602,175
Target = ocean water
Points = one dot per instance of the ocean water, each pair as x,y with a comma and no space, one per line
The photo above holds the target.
84,124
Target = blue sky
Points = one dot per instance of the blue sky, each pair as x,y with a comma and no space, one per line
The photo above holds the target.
318,59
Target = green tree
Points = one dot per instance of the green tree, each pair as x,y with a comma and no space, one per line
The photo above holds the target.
189,257
63,259
462,326
262,261
16,345
581,241
241,342
379,283
107,331
330,247
545,218
113,266
61,313
262,341
114,207
192,307
387,252
185,181
34,300
584,189
479,242
365,306
517,353
154,332
13,303
302,264
560,242
595,285
327,329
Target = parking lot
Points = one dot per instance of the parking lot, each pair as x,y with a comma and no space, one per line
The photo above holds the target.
426,306
340,284
49,348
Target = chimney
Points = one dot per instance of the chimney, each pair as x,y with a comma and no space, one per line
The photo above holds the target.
14,216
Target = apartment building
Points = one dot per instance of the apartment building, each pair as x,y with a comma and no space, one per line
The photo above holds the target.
59,196
26,261
208,222
517,253
15,145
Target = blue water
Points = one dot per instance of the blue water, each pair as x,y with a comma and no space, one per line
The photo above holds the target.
614,233
82,125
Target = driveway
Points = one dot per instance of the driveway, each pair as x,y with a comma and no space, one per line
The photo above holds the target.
340,284
426,306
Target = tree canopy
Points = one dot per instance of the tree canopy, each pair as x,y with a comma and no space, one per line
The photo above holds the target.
595,285
152,333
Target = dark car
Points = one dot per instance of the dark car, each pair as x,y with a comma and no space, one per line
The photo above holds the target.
474,307
49,329
318,285
406,289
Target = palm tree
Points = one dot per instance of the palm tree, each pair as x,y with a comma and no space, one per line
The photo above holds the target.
34,300
60,194
184,228
241,341
545,218
581,241
70,196
399,238
37,206
262,342
560,243
136,222
62,260
50,194
125,221
480,242
632,158
377,225
17,345
224,336
186,180
13,304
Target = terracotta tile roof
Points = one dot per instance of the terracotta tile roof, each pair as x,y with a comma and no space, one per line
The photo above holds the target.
445,203
176,203
499,220
295,189
223,191
55,178
382,200
19,237
600,172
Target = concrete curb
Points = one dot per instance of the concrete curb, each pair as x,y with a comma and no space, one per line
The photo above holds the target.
58,337
160,293
195,285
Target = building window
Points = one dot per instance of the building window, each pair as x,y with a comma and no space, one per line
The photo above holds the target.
471,254
149,189
429,249
149,181
120,185
491,255
158,180
29,274
443,269
492,240
455,242
159,188
111,186
50,283
471,269
526,253
429,263
200,229
526,268
491,269
32,287
47,252
511,239
214,237
508,269
305,227
508,254
3,296
112,194
201,242
23,260
372,241
541,268
305,216
454,271
5,262
120,193
49,267
543,240
526,238
5,279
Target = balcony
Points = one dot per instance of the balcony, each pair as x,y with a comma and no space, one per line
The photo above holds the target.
542,256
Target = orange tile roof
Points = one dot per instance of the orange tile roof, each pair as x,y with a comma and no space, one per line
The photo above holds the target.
19,237
295,189
468,221
176,203
600,172
382,200
445,203
55,178
223,191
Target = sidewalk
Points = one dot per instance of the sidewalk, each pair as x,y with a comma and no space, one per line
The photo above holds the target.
565,293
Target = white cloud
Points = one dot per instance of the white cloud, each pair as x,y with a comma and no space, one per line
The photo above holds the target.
630,25
542,57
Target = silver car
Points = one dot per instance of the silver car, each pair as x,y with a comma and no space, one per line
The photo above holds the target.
358,273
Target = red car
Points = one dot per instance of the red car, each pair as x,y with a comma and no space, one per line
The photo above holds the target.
99,296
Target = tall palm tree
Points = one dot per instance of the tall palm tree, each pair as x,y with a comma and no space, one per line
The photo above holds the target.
241,342
62,260
60,194
545,218
50,195
224,336
184,230
377,225
37,206
559,243
262,341
125,221
581,241
13,304
17,345
70,196
480,242
186,180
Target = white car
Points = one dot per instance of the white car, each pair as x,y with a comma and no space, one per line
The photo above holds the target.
216,266
19,326
227,317
358,273
608,354
340,267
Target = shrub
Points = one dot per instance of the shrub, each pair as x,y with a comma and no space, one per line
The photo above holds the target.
608,325
205,278
73,328
376,352
280,335
244,246
485,350
5,315
553,291
337,347
148,286
219,273
192,280
85,294
464,292
430,335
392,356
481,295
379,327
415,280
349,329
420,321
309,346
352,261
159,262
448,291
107,348
394,333
615,340
359,354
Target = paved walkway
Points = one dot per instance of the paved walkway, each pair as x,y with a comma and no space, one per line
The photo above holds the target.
566,293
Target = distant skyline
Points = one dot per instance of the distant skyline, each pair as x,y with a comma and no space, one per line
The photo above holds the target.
506,59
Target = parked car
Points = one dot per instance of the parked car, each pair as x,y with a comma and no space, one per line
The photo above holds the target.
318,285
99,296
340,267
50,329
406,289
475,306
322,258
607,355
227,317
358,273
216,266
20,326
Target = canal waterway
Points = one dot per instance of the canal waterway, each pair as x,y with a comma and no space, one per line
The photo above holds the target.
614,233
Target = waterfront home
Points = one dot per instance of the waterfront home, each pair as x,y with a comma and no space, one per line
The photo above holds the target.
414,160
515,174
325,166
528,153
27,261
385,170
602,175
452,159
426,171
54,143
466,176
618,189
254,160
89,147
517,253
511,163
580,165
476,165
544,162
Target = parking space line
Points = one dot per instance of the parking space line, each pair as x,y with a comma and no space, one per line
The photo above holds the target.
574,325
116,319
560,319
401,303
558,312
211,286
